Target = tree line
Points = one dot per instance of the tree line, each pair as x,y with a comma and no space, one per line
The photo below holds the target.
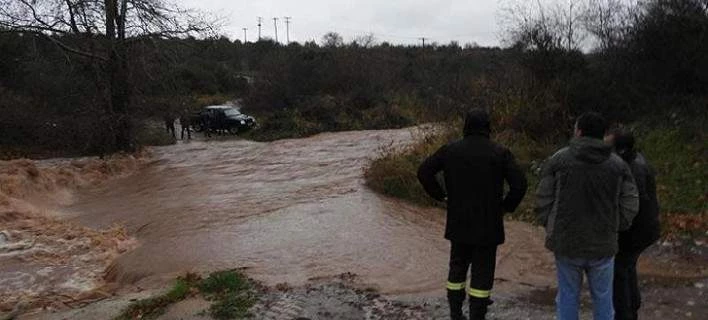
80,84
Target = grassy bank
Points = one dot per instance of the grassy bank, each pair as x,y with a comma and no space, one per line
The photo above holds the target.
679,157
230,292
393,173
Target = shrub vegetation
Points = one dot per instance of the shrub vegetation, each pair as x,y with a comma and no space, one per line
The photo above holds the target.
231,293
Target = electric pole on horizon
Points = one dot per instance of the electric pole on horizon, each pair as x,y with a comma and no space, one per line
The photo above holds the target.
245,38
423,39
260,20
275,24
287,29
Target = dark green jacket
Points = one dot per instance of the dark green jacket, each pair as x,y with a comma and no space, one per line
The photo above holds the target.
585,197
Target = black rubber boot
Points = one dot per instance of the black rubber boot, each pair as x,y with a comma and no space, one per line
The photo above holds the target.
456,298
478,308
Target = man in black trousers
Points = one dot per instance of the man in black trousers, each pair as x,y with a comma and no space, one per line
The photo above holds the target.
475,169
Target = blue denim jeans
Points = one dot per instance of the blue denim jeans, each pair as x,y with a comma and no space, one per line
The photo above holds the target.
570,272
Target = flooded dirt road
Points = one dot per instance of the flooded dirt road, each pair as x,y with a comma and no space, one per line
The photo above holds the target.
292,211
288,211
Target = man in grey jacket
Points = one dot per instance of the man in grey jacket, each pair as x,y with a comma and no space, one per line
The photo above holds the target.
585,197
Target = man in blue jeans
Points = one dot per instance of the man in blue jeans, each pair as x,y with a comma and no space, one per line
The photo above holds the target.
585,197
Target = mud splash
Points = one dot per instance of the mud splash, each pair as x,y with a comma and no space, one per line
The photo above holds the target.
46,262
288,211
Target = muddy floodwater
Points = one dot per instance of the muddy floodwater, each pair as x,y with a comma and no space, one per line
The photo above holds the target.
288,211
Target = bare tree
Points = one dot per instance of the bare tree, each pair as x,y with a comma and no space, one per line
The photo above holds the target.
544,25
366,41
609,21
102,31
332,40
568,16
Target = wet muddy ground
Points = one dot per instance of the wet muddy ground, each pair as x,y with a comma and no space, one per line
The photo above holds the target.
296,214
343,298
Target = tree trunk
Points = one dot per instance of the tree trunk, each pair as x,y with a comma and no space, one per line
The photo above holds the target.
119,91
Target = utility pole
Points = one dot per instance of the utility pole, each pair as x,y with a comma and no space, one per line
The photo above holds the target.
275,24
245,39
287,28
423,39
260,20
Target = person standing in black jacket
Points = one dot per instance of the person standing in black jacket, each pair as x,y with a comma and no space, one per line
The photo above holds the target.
645,229
474,169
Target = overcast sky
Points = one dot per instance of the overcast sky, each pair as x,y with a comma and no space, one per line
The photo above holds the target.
395,21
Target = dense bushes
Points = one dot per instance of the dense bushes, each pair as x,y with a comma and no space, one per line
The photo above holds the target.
641,78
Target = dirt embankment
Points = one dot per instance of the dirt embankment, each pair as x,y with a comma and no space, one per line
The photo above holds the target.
44,261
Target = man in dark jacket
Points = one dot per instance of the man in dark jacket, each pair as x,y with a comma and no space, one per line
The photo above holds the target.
586,195
474,170
645,229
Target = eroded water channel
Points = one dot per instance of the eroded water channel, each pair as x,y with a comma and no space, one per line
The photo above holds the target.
288,211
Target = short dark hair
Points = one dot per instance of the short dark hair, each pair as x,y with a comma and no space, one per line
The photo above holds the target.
623,140
592,124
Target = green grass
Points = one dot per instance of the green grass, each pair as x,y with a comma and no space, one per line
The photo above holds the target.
230,292
393,173
154,307
680,164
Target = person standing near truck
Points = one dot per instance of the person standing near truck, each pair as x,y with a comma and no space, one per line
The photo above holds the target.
474,169
185,123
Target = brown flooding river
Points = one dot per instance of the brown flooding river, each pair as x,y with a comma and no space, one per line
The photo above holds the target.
287,211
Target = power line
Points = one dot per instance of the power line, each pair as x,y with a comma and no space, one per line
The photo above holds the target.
377,33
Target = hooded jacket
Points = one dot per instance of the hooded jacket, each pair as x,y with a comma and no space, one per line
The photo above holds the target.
474,169
586,195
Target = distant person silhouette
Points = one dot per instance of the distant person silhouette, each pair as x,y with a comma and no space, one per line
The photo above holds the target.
474,170
169,120
185,123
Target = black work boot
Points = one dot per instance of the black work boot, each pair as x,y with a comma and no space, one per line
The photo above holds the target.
456,298
478,308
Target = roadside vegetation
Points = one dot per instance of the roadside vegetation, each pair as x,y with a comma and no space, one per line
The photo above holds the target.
231,294
678,158
634,76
